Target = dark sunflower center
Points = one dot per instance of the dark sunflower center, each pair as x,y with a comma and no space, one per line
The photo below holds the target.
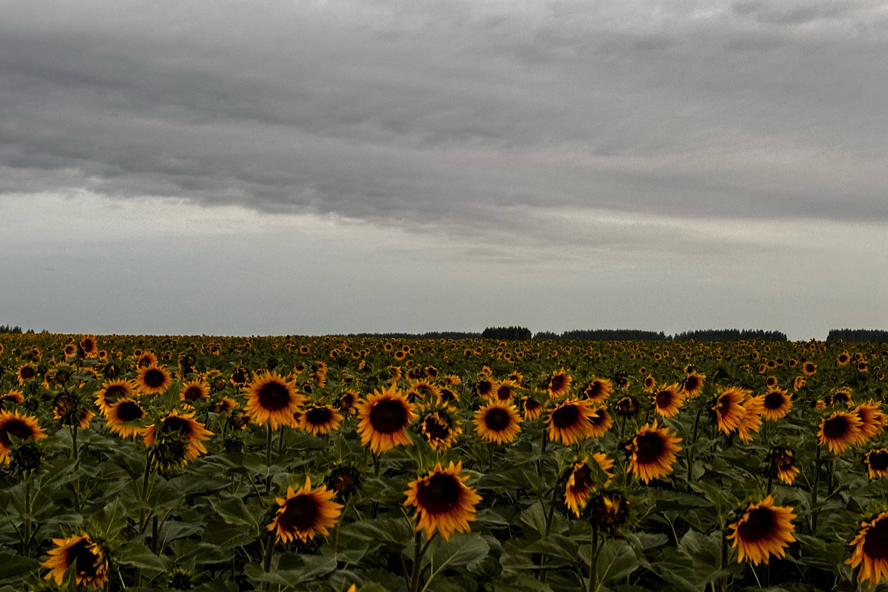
447,395
504,393
532,404
583,478
84,559
483,387
875,544
878,460
497,419
130,411
88,346
388,416
318,416
649,448
664,399
439,494
27,373
836,428
17,428
724,405
773,401
599,417
593,390
758,525
300,513
436,429
557,382
691,383
566,416
192,393
154,378
114,392
176,424
273,396
347,401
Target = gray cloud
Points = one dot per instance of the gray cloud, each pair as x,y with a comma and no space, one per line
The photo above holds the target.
454,115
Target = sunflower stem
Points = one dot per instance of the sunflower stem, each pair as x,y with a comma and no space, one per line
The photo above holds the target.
266,561
281,441
814,489
154,534
542,454
26,542
74,442
418,551
593,563
691,449
268,459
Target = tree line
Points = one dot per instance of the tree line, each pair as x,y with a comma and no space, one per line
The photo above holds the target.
858,335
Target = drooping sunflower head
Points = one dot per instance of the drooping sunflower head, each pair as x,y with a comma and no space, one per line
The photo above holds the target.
559,383
384,419
88,346
26,458
600,422
763,529
871,550
839,431
223,405
728,409
88,559
841,396
652,452
777,404
305,513
443,501
598,390
13,396
872,420
783,464
583,478
497,422
876,461
272,398
23,427
319,419
626,406
69,409
609,510
177,426
344,480
668,400
124,411
752,417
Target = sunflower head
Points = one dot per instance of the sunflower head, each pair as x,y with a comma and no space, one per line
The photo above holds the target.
497,422
384,419
121,415
570,421
27,457
180,579
609,510
272,399
783,463
583,478
559,383
762,529
840,431
305,513
86,557
652,452
443,501
317,419
728,408
439,427
626,406
870,550
70,410
876,461
153,380
598,390
344,480
15,427
667,400
776,403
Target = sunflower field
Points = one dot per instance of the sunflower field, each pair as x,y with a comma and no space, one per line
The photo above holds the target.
366,465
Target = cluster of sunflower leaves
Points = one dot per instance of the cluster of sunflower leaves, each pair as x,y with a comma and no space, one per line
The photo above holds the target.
367,464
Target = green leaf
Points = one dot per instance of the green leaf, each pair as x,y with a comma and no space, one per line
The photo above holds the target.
555,546
616,560
110,520
233,511
16,567
462,549
138,555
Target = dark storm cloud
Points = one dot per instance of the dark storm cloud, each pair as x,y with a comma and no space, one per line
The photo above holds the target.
437,114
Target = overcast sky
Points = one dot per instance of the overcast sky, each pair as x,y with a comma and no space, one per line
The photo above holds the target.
336,166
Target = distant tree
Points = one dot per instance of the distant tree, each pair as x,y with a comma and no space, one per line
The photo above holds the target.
11,329
545,335
507,333
614,335
429,335
858,335
729,335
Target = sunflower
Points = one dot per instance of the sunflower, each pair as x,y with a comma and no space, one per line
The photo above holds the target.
305,513
439,429
872,420
668,400
652,452
783,462
319,419
728,409
25,373
626,406
194,390
505,391
777,404
146,359
798,383
425,389
531,408
23,427
70,350
153,380
649,383
347,402
839,431
497,422
570,421
14,396
876,461
580,483
193,432
809,368
843,358
384,418
600,422
485,387
223,405
88,346
559,383
122,411
88,558
272,398
112,391
752,418
70,410
871,549
598,390
762,530
841,396
443,501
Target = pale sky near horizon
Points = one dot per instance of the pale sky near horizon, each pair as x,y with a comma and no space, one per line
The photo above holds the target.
376,166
